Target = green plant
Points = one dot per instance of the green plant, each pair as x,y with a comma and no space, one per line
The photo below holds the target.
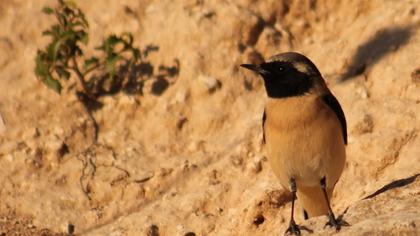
64,54
117,65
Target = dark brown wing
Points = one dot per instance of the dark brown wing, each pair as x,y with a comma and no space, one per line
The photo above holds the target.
263,122
332,102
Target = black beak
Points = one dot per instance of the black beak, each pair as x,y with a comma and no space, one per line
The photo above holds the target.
256,68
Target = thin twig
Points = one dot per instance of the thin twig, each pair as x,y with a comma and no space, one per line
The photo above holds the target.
86,91
80,77
94,123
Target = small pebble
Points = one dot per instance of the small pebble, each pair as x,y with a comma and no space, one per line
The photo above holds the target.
415,75
258,220
153,231
210,82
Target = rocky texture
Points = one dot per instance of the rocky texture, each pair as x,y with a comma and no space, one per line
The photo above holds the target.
189,159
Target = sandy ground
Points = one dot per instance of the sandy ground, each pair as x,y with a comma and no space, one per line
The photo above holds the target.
191,160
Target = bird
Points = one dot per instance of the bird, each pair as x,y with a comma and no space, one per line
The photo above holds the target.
305,134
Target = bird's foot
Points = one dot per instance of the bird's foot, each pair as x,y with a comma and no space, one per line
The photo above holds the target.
293,229
336,222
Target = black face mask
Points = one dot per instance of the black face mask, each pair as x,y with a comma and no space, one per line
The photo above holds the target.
282,79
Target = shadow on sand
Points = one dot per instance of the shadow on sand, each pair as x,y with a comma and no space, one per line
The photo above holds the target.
382,43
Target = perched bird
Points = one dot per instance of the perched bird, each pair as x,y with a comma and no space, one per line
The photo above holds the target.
304,130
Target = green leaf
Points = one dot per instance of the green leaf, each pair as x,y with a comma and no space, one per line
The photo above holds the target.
127,38
48,10
43,65
91,64
70,4
85,38
68,12
136,54
91,61
112,40
47,32
80,23
52,84
109,43
62,19
111,62
53,49
82,17
62,72
42,72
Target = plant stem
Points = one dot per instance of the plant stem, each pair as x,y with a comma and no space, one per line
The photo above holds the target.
85,104
94,123
81,78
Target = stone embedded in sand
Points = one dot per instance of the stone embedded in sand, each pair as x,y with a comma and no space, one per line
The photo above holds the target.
415,75
258,220
210,82
153,231
364,126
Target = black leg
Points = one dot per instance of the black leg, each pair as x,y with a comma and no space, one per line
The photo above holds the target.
293,227
332,221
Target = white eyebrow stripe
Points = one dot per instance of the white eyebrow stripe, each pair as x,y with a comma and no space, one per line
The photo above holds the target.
301,67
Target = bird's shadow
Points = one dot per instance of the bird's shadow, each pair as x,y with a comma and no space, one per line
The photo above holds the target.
394,184
384,41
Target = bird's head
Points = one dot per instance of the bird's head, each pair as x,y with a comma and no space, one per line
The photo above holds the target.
288,74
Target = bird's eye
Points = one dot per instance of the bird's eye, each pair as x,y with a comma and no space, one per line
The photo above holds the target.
281,68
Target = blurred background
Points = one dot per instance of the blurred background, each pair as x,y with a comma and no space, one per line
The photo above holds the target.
183,155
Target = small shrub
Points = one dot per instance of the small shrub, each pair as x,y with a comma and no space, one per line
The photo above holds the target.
64,56
117,64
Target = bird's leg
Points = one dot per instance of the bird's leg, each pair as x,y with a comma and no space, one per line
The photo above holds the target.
293,227
332,221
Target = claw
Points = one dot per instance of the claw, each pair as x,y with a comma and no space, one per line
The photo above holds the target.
293,229
336,223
